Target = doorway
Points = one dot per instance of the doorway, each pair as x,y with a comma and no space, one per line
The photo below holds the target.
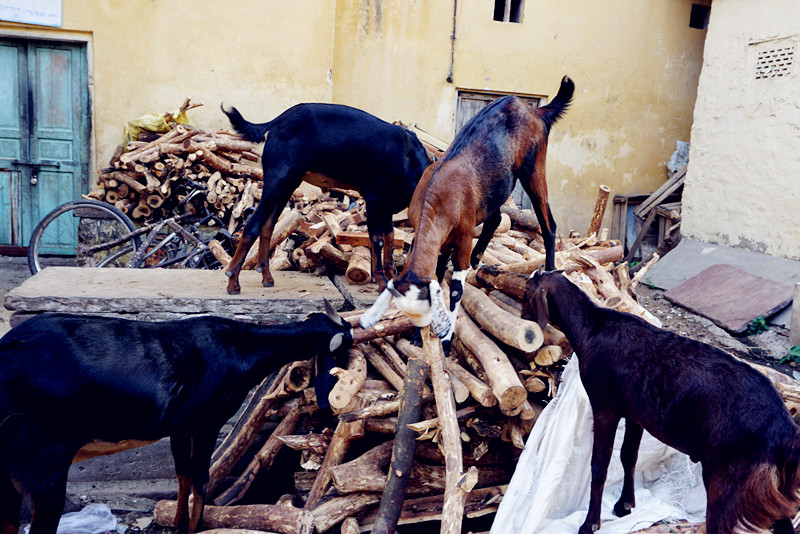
44,132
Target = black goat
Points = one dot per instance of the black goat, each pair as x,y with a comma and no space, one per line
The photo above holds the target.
691,396
330,145
66,380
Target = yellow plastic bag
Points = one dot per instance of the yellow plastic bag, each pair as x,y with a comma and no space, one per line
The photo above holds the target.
152,123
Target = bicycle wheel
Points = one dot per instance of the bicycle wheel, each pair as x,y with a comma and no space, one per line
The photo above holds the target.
83,233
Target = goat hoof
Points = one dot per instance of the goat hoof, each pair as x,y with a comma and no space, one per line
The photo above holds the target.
234,291
268,284
621,509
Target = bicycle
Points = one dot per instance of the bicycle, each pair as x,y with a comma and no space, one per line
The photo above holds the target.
90,233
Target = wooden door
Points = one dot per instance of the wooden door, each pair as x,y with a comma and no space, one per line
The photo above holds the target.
44,132
469,104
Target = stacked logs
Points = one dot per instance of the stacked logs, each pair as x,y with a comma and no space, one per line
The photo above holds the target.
417,435
183,170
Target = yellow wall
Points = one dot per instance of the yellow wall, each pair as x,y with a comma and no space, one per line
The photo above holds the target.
635,65
146,56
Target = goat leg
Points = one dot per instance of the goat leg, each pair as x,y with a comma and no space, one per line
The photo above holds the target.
264,249
10,502
628,455
181,447
489,226
605,425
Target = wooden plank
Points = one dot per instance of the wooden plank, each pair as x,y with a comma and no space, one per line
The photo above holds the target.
660,194
731,297
640,237
361,239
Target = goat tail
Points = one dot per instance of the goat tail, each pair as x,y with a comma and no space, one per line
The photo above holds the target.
556,109
772,491
249,131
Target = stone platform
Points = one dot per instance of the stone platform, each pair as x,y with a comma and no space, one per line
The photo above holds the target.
163,294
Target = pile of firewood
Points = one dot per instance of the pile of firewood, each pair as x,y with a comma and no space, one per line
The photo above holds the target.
443,432
183,170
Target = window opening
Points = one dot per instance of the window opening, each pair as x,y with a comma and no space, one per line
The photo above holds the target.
699,16
508,10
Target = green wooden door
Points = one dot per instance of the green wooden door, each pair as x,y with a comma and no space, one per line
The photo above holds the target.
44,133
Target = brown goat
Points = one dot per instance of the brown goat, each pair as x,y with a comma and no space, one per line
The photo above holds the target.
503,143
696,398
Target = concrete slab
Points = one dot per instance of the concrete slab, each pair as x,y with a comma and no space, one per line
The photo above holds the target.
172,291
730,297
691,257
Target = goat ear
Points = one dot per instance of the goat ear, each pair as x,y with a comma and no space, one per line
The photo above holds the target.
333,315
336,341
540,305
439,316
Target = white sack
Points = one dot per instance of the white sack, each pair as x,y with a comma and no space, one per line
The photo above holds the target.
549,492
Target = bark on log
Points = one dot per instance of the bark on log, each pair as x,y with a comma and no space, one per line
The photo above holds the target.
393,326
365,472
383,367
350,381
350,526
522,218
219,252
503,379
458,484
335,510
511,330
281,518
512,284
340,444
404,446
287,223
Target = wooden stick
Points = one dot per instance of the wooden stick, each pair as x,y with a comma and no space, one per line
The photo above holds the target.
599,210
340,444
511,330
365,472
403,450
503,379
337,509
268,517
458,483
264,457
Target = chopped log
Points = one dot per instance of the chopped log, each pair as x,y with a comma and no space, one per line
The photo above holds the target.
264,458
359,268
404,447
361,239
281,518
548,355
525,219
317,443
340,444
599,210
503,379
350,381
479,502
512,284
335,510
365,472
219,252
350,526
511,330
389,326
382,366
458,484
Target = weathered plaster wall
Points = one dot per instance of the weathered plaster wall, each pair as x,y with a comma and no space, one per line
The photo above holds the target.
742,186
635,65
147,56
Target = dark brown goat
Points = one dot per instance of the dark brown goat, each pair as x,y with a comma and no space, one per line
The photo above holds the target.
689,395
505,142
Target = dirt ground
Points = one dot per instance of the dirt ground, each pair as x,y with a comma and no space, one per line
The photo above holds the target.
135,516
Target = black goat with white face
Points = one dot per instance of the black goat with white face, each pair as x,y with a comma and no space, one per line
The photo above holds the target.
66,380
696,398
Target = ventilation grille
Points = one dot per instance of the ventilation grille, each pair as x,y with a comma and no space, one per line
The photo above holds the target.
774,62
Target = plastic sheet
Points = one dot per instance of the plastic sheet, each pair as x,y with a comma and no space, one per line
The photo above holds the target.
549,492
93,519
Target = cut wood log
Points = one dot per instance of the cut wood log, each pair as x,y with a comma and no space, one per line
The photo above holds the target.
359,267
350,381
599,210
511,330
458,484
404,446
503,379
365,473
340,444
264,458
381,365
281,518
333,511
